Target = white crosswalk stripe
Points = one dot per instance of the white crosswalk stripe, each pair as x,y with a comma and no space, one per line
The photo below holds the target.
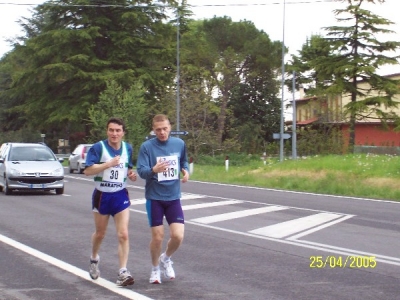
185,196
210,204
288,228
237,214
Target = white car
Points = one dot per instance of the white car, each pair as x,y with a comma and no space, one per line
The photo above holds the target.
77,159
30,166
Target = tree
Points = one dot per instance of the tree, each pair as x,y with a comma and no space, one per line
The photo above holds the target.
130,105
256,112
302,64
73,47
355,55
229,53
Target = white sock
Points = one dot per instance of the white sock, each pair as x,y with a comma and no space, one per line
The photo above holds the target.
155,268
122,270
166,258
95,259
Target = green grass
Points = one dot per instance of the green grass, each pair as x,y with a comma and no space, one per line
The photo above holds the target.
360,175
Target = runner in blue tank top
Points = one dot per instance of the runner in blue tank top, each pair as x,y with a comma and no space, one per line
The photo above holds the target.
110,161
160,162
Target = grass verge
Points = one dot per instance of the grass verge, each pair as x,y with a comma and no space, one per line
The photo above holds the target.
358,175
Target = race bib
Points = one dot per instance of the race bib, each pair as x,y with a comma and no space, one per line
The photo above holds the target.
115,174
172,172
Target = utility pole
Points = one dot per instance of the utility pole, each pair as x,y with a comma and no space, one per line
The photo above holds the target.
294,121
281,139
177,71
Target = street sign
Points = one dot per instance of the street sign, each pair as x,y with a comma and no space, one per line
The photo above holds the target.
152,134
277,136
179,132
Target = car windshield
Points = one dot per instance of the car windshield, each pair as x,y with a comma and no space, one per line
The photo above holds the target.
30,154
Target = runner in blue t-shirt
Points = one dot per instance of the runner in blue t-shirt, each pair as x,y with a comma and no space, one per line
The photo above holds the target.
110,161
160,162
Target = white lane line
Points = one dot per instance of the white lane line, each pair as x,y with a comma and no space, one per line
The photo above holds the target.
287,228
128,293
210,204
237,214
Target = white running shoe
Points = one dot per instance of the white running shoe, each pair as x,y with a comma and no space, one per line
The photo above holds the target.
94,271
166,267
155,277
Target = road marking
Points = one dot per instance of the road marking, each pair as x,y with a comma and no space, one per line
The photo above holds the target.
292,240
300,243
287,228
309,245
307,232
294,228
210,204
185,196
238,214
128,293
138,201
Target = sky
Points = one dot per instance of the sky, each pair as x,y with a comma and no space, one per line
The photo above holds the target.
290,21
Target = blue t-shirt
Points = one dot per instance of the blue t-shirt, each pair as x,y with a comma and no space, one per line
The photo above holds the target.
149,151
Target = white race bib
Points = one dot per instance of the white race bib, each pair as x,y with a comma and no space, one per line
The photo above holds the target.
115,174
172,172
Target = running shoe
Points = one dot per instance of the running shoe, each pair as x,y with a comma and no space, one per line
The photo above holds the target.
155,277
125,278
94,271
166,267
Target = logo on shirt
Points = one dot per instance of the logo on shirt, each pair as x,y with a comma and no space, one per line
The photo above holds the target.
108,184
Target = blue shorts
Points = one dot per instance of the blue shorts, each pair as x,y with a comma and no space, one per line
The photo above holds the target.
110,203
157,209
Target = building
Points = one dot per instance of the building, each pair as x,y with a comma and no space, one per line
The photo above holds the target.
314,111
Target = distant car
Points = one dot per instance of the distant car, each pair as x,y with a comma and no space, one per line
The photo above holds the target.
30,166
77,159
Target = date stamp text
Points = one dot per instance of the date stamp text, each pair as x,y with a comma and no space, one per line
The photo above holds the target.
349,261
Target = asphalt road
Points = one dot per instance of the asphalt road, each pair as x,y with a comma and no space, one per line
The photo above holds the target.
240,243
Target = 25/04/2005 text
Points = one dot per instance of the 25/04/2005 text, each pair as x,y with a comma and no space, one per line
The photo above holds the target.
331,261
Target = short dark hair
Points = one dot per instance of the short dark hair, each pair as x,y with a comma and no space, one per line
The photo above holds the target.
118,121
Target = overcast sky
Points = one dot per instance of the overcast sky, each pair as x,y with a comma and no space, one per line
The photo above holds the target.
291,23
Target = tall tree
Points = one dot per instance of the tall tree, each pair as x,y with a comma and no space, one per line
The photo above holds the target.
355,55
73,47
256,112
228,53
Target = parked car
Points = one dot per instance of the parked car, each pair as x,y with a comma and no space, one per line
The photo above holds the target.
30,166
77,159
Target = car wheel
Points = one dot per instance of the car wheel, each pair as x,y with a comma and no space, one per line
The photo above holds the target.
1,189
70,169
60,191
80,170
6,189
